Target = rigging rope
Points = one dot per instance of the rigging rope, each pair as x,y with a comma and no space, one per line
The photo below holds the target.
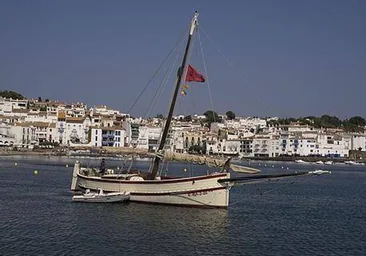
161,86
206,72
159,89
217,48
156,72
241,77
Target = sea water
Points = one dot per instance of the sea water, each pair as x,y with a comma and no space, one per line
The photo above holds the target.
323,215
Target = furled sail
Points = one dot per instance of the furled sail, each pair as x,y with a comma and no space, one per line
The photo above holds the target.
207,160
270,177
244,169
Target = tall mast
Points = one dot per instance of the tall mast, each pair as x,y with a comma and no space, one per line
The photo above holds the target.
181,72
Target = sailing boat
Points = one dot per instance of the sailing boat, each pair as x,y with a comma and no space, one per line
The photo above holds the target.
211,190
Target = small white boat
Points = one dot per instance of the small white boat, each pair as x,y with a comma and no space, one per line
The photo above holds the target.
300,161
353,163
101,197
328,162
319,162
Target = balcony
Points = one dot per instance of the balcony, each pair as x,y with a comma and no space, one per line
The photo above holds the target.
107,136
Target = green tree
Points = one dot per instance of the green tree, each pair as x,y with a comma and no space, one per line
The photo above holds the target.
357,120
160,116
211,116
188,118
39,99
11,94
230,115
330,121
196,149
284,121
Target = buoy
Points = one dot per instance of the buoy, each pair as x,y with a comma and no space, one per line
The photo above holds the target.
35,172
272,166
185,170
67,166
15,163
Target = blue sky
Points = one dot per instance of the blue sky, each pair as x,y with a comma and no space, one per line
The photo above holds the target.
286,58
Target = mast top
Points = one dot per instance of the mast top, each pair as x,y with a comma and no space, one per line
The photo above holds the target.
194,23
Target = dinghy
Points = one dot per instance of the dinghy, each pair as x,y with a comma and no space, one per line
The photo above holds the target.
101,197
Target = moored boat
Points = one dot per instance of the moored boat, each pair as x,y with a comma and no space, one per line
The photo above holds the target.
353,163
299,161
150,186
101,197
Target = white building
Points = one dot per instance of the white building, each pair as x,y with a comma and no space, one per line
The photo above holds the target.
6,141
252,122
357,141
40,116
107,136
73,130
103,110
24,135
44,132
262,145
246,147
215,127
176,140
331,145
230,147
6,137
7,105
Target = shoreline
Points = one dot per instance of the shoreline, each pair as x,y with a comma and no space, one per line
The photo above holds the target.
122,154
306,159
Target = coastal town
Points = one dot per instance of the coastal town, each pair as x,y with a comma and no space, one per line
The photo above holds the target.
30,124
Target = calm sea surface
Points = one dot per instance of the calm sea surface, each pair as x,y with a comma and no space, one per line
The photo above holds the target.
323,215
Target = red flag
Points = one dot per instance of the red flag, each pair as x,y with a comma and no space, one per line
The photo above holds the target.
194,76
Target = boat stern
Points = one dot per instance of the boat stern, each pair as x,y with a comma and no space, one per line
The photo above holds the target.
74,181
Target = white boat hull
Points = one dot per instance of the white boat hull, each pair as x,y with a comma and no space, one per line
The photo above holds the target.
200,191
105,198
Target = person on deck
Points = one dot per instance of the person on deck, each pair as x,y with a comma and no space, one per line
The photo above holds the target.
102,167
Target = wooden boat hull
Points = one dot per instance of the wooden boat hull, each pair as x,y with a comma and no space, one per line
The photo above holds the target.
199,191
